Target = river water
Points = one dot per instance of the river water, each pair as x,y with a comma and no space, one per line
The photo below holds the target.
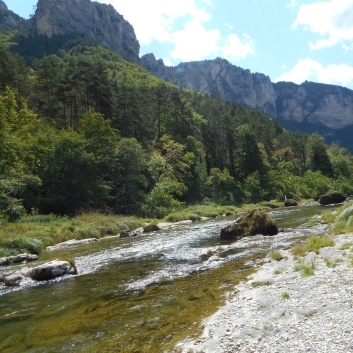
140,294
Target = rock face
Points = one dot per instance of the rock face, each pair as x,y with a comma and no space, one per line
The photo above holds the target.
314,103
219,77
95,20
50,270
311,103
252,223
331,198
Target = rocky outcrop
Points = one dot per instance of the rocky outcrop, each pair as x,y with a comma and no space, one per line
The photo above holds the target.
314,103
332,198
219,77
92,19
252,223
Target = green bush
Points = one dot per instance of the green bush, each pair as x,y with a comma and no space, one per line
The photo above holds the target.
194,217
23,244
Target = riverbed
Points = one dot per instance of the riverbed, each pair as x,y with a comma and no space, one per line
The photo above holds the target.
140,294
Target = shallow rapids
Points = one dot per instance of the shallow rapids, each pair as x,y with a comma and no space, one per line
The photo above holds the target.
139,294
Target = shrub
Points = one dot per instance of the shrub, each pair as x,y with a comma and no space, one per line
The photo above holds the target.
285,295
194,217
275,255
315,243
346,246
23,244
260,284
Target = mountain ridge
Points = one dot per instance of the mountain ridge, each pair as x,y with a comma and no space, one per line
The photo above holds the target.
319,105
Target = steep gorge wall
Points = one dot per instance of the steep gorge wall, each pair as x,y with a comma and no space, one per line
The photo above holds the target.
313,103
95,20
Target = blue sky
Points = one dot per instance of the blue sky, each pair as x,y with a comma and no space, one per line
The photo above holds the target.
289,40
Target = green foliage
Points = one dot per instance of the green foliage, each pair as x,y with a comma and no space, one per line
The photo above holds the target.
83,129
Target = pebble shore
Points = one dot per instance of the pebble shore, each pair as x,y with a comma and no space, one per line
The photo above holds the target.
286,312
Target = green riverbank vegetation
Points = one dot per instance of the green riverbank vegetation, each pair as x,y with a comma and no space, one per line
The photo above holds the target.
83,130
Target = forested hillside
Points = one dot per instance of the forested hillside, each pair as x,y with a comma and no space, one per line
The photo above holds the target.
83,129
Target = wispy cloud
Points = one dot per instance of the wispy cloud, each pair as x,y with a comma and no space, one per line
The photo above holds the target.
332,20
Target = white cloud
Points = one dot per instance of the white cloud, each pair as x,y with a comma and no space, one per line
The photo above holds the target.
308,69
236,48
333,20
182,24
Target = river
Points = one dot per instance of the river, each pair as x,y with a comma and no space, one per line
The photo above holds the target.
139,294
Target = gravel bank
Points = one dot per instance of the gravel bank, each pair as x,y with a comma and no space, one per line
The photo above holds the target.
317,316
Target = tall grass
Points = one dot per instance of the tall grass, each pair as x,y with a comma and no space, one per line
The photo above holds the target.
33,233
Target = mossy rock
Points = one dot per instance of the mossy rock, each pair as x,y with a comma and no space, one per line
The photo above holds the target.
332,198
290,203
252,223
151,228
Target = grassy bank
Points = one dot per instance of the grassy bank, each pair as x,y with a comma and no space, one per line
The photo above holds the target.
34,233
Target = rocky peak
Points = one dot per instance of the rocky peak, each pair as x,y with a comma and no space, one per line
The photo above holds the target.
95,20
3,5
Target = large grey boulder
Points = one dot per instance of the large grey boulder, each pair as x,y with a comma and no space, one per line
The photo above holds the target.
3,6
252,223
332,198
50,270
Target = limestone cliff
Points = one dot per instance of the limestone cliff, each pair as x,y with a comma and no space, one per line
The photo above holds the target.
98,21
310,103
315,103
219,77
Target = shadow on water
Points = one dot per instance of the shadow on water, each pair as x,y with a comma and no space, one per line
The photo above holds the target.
139,295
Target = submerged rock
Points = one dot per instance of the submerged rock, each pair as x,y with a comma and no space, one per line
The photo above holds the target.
50,270
252,223
290,203
331,198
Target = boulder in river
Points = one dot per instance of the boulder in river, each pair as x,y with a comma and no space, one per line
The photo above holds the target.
331,198
51,270
151,228
252,223
290,203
